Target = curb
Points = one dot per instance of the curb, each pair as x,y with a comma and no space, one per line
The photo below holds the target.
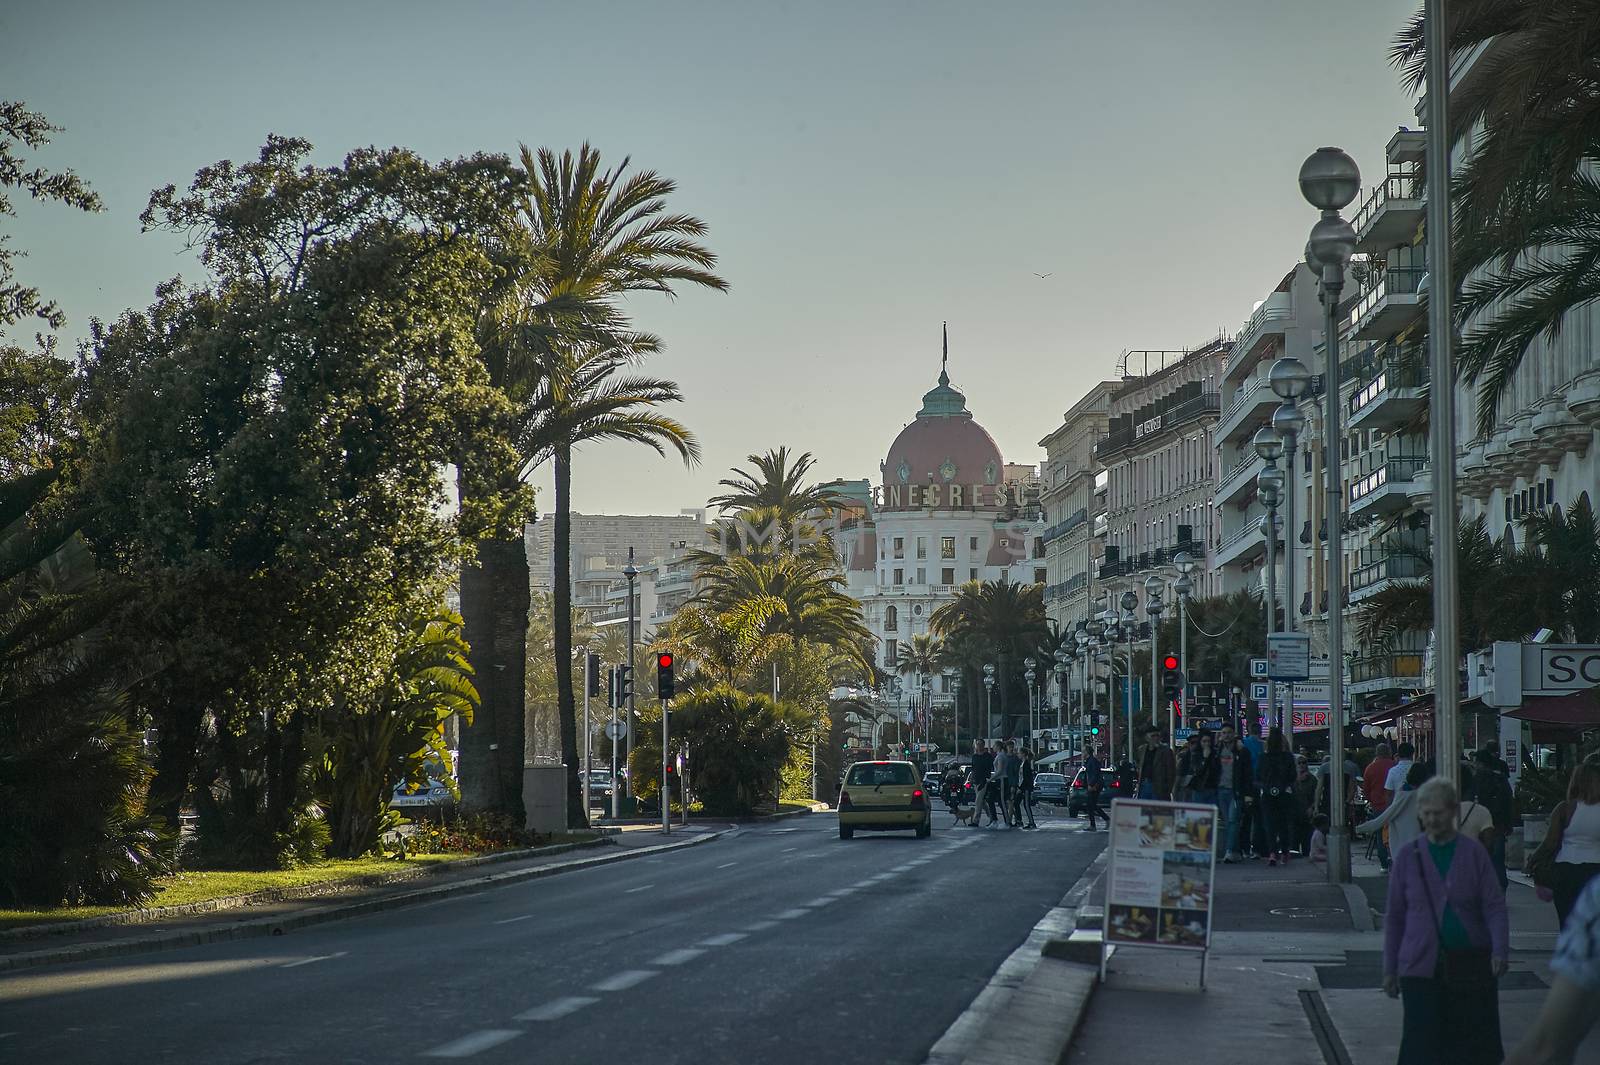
755,819
400,875
1032,1006
277,926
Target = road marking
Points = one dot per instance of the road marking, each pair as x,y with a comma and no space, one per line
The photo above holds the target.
678,957
814,903
786,850
760,926
469,1045
308,961
842,892
636,890
514,920
727,865
557,1008
789,915
625,979
723,940
776,830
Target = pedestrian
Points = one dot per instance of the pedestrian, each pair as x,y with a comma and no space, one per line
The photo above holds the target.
1093,782
1158,773
1011,786
1305,802
1573,1004
982,771
1396,778
1445,939
1277,797
1253,841
1494,791
1400,817
1025,792
1235,791
1352,775
1186,767
1317,848
1372,783
1578,860
1204,770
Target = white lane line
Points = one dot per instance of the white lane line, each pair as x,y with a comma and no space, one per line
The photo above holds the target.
557,1008
760,926
469,1045
723,940
788,915
814,903
308,961
636,890
786,850
727,865
514,920
842,892
625,979
677,957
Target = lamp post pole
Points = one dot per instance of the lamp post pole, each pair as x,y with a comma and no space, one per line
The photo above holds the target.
1181,588
1329,180
1130,602
988,700
1029,674
1289,379
587,729
1269,486
631,572
955,714
1153,607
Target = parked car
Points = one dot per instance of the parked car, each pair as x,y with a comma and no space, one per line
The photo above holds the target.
1078,804
599,785
1051,788
432,799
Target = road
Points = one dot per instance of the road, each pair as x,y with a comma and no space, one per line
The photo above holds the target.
774,944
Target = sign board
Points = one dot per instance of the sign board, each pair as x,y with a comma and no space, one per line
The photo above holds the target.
1307,720
1289,656
1160,877
1258,667
1512,672
1258,692
615,730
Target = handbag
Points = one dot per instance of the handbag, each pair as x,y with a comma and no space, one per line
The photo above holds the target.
1458,968
1541,864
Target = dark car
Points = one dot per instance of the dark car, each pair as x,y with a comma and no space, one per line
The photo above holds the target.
933,781
1111,788
1051,788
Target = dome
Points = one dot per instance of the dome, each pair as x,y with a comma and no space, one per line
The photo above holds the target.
944,446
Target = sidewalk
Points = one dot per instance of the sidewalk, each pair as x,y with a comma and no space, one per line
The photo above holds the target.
1293,978
267,918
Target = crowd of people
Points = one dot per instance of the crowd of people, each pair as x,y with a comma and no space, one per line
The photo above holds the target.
1003,782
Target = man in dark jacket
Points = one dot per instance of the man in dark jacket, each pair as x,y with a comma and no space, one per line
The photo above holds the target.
1494,792
982,770
1158,773
1093,783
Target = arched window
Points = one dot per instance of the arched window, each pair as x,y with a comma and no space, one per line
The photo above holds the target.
891,619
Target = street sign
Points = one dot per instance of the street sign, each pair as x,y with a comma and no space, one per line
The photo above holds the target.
1307,720
1258,692
1159,882
1289,656
1258,667
615,730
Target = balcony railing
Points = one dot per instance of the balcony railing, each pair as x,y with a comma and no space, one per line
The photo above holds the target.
1392,471
1402,665
1066,525
1395,368
1245,396
1394,281
1173,416
1402,186
1385,566
1251,527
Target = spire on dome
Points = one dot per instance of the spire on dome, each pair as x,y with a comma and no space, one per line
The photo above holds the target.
944,367
944,401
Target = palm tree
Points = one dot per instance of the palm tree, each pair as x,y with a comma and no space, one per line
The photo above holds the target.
593,236
994,622
809,603
1526,203
778,483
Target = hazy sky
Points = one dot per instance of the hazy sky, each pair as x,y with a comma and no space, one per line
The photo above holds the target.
867,170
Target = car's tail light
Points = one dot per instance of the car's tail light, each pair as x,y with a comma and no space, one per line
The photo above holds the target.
916,797
1078,784
844,799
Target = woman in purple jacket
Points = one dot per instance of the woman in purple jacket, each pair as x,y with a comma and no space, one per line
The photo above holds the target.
1445,939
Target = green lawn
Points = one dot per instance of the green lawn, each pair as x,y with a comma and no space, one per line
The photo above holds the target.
185,888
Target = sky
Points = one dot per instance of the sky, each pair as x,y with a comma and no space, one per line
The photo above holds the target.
868,170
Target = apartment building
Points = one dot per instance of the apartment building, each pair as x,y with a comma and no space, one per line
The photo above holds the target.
1071,506
607,538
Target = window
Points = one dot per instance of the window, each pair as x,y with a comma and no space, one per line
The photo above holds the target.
922,547
972,543
899,577
1004,542
1038,576
891,619
922,575
972,574
891,652
947,547
875,774
899,547
947,575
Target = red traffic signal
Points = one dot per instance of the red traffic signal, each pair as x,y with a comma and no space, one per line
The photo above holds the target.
664,660
666,687
1169,662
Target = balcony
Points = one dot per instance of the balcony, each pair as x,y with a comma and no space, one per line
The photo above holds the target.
1269,320
1388,303
1384,489
1395,394
1063,527
1240,479
1248,541
1373,673
1252,404
1392,212
1371,577
1162,419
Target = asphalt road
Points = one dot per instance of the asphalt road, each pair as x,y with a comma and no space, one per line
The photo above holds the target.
773,944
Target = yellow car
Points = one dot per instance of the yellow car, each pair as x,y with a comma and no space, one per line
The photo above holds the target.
885,796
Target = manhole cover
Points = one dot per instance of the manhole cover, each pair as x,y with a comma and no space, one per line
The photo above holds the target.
1306,911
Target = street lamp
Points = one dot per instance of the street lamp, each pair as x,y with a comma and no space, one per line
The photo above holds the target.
1152,599
631,572
1290,380
1028,664
988,700
1063,659
1129,601
1182,587
1269,486
953,682
1329,180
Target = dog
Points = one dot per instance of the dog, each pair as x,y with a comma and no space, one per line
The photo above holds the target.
965,814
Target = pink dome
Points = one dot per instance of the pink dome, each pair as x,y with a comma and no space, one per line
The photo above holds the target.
944,446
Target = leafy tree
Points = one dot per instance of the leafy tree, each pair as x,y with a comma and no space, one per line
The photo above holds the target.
596,236
396,733
736,745
270,467
21,128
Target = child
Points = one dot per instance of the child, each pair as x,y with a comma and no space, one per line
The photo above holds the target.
1319,838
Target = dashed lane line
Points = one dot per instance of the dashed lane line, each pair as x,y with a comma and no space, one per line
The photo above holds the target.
760,926
475,1043
725,939
514,920
678,957
789,915
625,979
727,865
308,961
636,890
557,1008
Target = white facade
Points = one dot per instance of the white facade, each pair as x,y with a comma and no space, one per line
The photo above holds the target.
1072,507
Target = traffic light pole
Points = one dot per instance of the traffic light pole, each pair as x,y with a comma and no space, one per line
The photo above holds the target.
666,790
616,782
587,729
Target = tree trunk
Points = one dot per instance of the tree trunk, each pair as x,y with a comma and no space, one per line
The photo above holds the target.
561,626
494,607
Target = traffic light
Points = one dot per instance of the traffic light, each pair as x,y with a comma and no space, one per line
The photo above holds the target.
624,684
611,688
1171,679
664,683
672,778
594,676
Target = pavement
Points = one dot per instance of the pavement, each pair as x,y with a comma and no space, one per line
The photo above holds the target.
1294,977
774,943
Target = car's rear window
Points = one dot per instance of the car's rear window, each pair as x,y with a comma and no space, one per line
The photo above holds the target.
1051,778
870,774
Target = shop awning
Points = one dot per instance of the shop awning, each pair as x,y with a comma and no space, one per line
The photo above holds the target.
1574,712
